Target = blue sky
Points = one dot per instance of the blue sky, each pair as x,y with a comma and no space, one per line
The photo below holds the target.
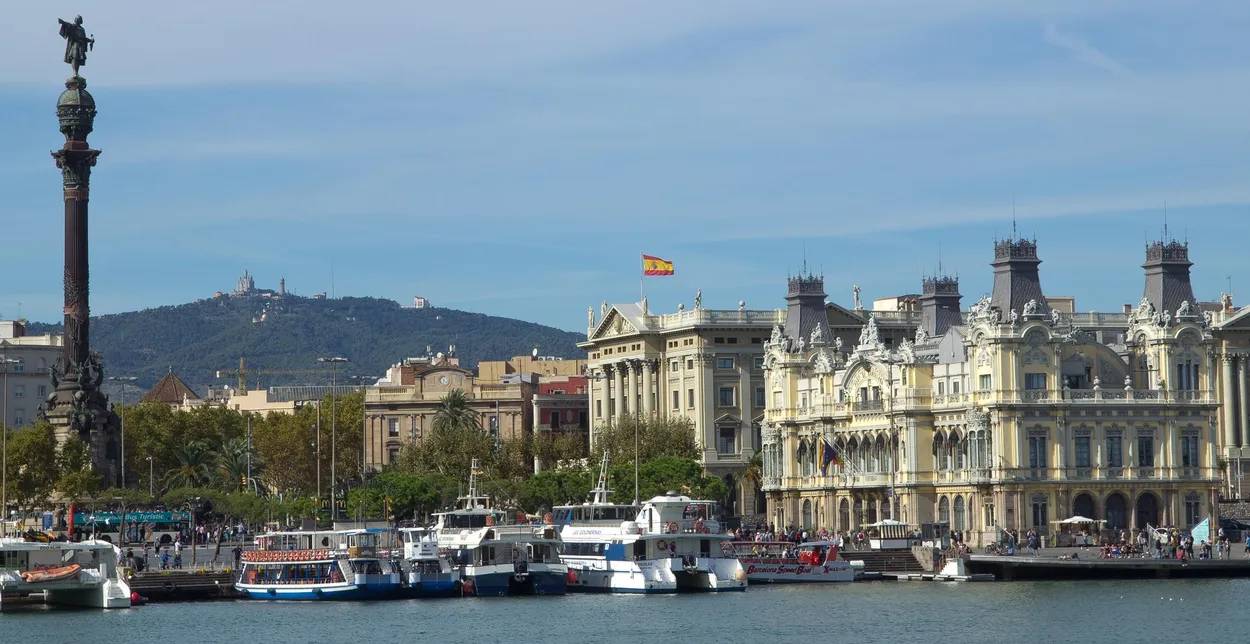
515,158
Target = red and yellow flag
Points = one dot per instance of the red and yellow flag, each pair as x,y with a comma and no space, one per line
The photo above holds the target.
656,266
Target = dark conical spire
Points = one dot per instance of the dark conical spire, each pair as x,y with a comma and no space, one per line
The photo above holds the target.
939,304
1167,275
805,300
1015,276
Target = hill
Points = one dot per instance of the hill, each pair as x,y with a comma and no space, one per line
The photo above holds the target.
291,332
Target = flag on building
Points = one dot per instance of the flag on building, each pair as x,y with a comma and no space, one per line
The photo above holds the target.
655,266
827,455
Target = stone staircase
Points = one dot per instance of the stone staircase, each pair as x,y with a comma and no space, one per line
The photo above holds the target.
882,561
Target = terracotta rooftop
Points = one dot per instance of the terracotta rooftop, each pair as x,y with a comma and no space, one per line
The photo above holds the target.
171,390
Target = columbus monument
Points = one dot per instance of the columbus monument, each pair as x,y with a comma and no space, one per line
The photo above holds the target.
76,407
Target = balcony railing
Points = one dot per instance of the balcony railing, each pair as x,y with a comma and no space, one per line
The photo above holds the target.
867,406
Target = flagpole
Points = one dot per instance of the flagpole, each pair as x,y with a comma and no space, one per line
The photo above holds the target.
642,277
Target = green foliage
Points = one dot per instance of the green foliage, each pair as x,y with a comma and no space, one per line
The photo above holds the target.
402,496
32,466
202,337
550,488
657,437
76,481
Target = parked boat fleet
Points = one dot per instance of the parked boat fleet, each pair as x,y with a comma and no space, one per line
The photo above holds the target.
670,543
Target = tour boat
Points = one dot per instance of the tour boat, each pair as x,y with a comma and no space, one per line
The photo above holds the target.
428,572
312,565
71,574
672,543
778,562
495,559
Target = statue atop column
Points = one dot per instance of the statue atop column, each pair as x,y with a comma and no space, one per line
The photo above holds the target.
77,43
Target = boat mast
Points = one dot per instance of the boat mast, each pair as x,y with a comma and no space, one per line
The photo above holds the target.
599,495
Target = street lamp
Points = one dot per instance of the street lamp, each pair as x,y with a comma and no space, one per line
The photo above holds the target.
334,362
5,361
124,380
151,488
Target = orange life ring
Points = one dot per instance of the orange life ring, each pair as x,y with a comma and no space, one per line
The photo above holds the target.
661,545
671,528
698,526
490,520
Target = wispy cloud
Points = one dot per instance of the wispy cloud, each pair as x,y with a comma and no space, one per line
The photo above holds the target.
1081,50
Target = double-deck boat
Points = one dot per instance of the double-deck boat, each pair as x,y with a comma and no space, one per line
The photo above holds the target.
495,559
69,574
776,562
313,565
428,573
672,543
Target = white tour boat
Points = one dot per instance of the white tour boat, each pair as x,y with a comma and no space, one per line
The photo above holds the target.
777,562
496,559
428,573
65,573
313,565
673,543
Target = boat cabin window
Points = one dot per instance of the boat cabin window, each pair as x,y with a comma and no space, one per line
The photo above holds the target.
462,521
366,567
563,515
640,549
705,547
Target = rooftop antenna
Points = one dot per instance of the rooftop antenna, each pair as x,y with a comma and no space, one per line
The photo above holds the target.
939,258
805,256
1013,217
1165,221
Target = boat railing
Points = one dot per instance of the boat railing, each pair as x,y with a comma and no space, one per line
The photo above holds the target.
690,526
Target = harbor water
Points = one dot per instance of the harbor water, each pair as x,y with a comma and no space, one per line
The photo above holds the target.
896,612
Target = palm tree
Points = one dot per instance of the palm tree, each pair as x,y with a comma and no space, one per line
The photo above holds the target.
751,478
232,463
454,413
193,469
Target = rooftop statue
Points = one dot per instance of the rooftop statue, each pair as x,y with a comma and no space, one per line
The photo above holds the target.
77,44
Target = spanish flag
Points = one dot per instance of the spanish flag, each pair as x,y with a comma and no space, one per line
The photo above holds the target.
656,266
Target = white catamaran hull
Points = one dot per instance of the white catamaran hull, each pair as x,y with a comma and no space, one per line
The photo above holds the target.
708,574
600,575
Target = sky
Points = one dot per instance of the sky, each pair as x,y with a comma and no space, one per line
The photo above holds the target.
517,158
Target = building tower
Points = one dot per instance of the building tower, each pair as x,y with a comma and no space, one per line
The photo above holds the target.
1015,277
1167,275
805,301
77,407
939,305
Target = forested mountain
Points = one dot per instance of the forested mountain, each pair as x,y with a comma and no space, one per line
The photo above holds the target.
291,332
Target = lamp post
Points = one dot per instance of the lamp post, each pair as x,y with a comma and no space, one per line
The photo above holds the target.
151,487
5,361
334,362
124,380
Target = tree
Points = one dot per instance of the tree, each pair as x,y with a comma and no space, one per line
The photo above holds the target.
76,480
232,464
33,468
454,413
657,437
193,466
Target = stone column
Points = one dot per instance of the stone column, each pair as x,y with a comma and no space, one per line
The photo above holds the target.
631,387
1228,403
605,400
1243,372
618,382
648,382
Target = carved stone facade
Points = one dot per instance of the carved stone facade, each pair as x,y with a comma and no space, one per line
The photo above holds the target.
1001,421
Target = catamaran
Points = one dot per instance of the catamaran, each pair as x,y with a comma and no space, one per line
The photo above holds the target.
311,565
70,574
428,572
495,559
671,543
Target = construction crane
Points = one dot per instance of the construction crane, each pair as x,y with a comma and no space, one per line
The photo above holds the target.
242,372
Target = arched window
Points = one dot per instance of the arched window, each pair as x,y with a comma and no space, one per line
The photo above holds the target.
807,515
801,457
944,510
960,520
844,515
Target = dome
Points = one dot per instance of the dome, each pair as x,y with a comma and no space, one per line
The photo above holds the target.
76,94
75,109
